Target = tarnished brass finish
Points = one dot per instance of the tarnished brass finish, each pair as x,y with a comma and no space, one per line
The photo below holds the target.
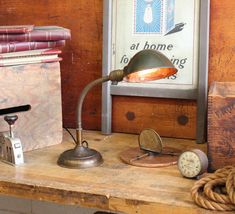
151,152
79,136
150,141
116,75
80,103
80,157
147,65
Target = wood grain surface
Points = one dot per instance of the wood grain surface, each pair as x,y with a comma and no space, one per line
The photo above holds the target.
221,120
83,60
37,85
113,186
222,41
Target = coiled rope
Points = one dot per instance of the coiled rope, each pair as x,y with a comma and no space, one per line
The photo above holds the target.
216,191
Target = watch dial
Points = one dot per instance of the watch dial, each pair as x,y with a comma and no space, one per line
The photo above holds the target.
189,164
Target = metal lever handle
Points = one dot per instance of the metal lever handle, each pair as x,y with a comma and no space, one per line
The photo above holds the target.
11,119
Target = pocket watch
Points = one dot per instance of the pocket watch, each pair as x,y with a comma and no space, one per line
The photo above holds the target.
192,163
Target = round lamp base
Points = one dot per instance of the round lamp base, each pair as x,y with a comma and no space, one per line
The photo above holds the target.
79,158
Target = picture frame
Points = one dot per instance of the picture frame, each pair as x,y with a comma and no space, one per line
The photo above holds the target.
177,28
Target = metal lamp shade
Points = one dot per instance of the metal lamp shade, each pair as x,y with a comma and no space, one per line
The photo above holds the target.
148,65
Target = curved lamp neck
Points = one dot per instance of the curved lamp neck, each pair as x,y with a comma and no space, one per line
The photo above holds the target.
80,104
115,76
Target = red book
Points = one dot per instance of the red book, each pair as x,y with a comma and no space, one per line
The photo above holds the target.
16,29
43,33
7,47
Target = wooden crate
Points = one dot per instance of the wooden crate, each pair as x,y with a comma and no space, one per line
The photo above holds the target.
221,124
39,86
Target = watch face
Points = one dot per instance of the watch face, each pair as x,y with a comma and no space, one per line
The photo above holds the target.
189,164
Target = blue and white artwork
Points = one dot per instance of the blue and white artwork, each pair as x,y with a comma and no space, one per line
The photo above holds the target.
170,15
154,16
168,26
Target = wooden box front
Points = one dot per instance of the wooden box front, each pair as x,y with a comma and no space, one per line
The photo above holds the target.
39,86
221,124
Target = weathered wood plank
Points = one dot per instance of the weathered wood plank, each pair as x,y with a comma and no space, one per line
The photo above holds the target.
222,41
172,118
114,185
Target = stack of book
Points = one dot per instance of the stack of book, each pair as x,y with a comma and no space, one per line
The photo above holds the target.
27,44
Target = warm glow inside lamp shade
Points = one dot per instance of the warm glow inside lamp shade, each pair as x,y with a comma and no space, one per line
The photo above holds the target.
150,75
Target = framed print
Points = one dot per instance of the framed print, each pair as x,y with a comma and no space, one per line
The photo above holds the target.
177,28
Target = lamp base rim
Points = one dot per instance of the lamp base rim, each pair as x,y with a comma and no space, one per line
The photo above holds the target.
80,158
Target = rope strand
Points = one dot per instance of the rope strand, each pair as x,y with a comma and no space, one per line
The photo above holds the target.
204,190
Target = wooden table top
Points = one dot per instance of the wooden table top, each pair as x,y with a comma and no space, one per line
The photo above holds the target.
112,186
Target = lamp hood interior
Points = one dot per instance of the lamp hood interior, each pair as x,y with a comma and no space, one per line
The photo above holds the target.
148,65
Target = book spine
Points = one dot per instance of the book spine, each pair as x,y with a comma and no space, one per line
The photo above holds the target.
39,52
13,31
37,35
26,46
16,29
30,62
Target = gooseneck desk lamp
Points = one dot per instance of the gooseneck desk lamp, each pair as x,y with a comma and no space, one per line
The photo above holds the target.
146,65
